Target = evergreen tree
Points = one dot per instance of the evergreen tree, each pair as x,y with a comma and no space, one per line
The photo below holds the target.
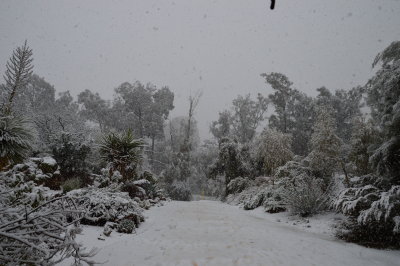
384,99
325,145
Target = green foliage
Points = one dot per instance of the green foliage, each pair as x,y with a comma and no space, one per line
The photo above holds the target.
71,152
15,140
71,184
126,226
273,150
122,153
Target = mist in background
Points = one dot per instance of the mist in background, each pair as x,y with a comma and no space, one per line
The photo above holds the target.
217,46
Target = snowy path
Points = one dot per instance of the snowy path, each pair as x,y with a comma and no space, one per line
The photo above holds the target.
213,233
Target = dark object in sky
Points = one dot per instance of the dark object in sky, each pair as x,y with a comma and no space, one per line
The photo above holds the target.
272,4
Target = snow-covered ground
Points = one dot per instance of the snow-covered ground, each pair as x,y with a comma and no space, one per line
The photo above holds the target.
214,233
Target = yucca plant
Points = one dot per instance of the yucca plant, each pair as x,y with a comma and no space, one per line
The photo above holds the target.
122,152
15,140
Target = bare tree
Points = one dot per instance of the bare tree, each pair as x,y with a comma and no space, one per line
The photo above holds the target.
18,71
193,102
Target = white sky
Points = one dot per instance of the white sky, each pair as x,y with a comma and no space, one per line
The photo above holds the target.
217,46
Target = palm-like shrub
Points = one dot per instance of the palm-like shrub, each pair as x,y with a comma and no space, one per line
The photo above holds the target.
122,153
15,140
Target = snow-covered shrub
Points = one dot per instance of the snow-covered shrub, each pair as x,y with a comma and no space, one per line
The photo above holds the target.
301,191
134,190
15,140
269,196
255,200
304,195
145,187
237,185
28,180
149,182
108,205
71,184
384,210
292,169
273,200
255,195
70,151
106,180
179,190
371,210
34,235
122,153
126,226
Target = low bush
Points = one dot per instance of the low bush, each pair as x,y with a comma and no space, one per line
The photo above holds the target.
108,205
237,185
126,226
71,184
180,191
370,210
28,181
304,195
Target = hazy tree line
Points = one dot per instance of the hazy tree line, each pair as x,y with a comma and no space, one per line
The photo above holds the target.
339,150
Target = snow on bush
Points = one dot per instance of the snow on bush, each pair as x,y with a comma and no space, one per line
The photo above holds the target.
71,184
371,210
25,181
126,226
259,192
144,188
34,235
237,185
302,192
255,200
384,210
180,190
304,195
352,201
122,153
106,179
108,205
293,169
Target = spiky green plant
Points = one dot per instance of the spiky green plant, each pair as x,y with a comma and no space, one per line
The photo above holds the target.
122,152
15,140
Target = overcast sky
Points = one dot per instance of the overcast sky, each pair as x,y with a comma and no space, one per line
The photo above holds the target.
217,46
